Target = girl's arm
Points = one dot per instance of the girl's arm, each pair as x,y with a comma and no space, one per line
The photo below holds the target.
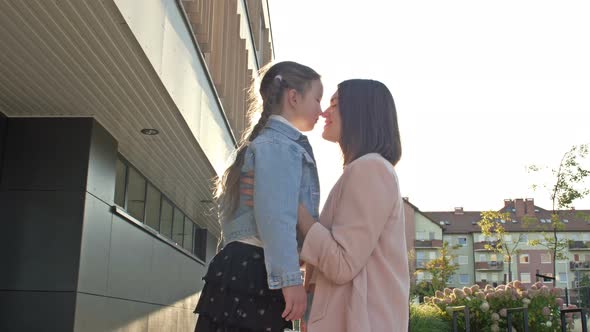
278,172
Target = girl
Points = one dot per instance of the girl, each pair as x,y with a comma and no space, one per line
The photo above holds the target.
254,283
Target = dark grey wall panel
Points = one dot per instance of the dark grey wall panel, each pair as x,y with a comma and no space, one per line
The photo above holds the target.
40,239
102,164
169,319
165,274
2,139
211,246
36,311
190,282
46,154
98,313
95,250
130,261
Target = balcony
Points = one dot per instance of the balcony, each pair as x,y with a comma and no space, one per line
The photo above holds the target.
481,246
579,266
579,245
428,244
489,266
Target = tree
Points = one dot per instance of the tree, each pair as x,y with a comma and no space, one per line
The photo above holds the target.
442,268
567,186
492,228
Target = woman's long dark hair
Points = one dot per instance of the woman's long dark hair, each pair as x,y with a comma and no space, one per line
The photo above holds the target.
369,121
264,100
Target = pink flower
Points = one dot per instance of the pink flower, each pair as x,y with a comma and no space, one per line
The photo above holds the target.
474,288
448,291
556,291
503,312
546,311
495,317
458,293
480,295
559,302
467,291
439,294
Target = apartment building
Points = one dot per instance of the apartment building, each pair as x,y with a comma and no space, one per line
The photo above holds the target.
527,222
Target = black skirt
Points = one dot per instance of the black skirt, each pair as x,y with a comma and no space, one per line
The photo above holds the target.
236,297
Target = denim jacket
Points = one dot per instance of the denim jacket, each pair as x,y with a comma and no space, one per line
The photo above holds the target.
285,175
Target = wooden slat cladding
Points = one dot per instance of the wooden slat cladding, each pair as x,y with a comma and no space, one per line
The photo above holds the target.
217,24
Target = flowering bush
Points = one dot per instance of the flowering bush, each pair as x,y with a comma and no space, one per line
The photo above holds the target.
488,307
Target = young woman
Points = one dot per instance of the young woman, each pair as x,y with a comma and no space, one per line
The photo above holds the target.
360,277
254,283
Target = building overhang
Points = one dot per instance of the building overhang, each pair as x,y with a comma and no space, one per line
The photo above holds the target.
131,65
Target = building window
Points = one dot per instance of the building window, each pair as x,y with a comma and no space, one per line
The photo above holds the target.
493,257
545,258
524,238
152,208
464,279
462,241
494,277
135,194
166,219
548,280
576,258
523,258
562,277
525,277
419,275
463,260
120,183
482,258
420,235
483,276
178,227
432,255
145,203
189,235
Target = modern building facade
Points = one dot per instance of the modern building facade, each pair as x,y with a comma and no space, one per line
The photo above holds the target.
114,117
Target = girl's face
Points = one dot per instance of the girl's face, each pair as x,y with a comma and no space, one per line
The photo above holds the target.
307,109
333,126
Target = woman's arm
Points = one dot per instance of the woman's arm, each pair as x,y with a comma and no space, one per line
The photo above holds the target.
366,202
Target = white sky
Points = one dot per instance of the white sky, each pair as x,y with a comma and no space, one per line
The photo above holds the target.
482,88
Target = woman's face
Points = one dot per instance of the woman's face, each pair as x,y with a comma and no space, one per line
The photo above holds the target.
333,123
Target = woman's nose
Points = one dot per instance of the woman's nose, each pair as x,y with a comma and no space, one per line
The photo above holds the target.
324,114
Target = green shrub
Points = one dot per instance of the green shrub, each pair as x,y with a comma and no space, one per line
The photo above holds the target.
427,318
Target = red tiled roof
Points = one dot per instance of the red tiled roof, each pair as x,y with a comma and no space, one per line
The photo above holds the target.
466,222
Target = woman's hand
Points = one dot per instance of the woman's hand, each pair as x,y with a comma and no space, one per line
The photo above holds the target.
304,220
246,183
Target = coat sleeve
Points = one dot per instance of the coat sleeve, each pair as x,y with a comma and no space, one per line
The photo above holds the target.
364,206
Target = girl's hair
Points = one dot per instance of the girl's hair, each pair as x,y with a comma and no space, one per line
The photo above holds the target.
369,121
264,99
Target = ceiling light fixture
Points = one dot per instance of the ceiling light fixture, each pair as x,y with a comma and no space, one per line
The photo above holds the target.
150,131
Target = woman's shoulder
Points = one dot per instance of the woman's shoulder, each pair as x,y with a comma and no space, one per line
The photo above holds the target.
372,161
